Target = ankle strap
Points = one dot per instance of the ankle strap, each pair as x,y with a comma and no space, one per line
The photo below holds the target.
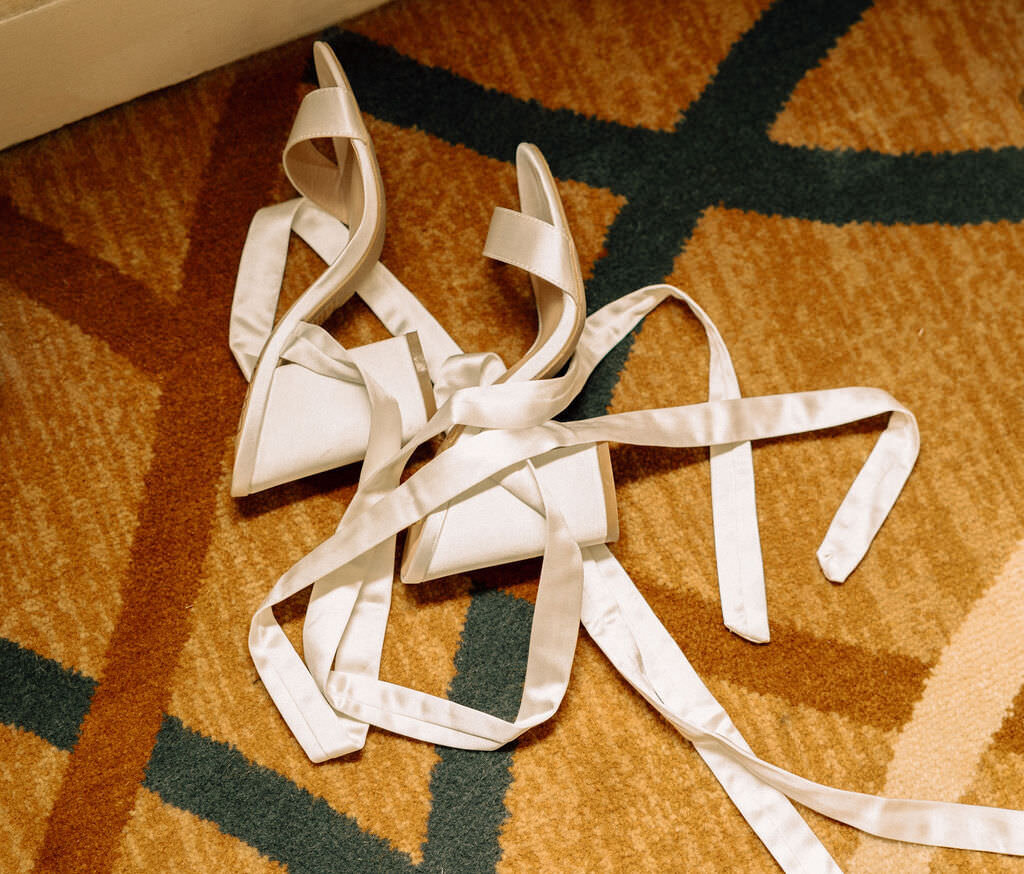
532,244
324,113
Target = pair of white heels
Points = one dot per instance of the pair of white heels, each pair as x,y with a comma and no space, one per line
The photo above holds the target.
307,409
518,484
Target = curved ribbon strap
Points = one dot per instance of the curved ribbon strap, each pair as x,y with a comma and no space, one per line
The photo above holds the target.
532,244
440,721
258,283
369,522
324,113
261,271
614,612
624,626
359,650
938,823
574,375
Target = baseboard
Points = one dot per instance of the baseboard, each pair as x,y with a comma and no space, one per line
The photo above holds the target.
66,59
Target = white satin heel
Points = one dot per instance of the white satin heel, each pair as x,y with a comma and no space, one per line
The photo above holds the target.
502,519
350,190
307,408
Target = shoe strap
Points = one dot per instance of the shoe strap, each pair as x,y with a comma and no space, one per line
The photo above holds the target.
532,244
369,520
549,255
261,272
324,113
258,282
380,510
398,309
372,521
626,629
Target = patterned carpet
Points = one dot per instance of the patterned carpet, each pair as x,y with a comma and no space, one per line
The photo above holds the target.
839,183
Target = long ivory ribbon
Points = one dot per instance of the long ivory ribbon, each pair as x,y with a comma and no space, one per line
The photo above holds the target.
261,271
329,699
657,667
369,522
624,626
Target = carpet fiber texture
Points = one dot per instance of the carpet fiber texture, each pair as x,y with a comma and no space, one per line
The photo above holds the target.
840,184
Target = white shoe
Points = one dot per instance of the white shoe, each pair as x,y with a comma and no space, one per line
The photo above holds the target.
495,522
307,409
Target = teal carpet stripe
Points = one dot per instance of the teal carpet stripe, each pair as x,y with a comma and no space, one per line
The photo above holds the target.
216,782
843,186
756,78
42,696
718,154
468,787
261,807
406,93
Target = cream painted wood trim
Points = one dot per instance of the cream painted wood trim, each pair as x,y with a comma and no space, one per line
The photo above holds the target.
66,59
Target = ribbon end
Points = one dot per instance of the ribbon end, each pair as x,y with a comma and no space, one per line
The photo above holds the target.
833,566
758,633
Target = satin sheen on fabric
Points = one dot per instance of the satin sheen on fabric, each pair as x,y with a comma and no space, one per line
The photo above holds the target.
335,417
324,705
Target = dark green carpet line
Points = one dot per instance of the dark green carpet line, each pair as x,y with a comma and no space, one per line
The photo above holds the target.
468,787
718,154
757,77
843,186
261,807
42,696
406,93
266,810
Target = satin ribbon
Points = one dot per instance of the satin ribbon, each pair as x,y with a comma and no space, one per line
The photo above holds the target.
368,521
261,272
330,699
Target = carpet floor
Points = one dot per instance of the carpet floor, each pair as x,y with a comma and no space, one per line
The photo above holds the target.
839,183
